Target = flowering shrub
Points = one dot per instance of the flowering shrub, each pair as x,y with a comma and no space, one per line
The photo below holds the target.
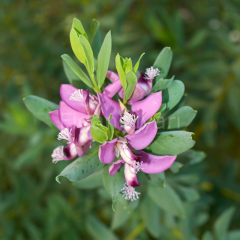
137,120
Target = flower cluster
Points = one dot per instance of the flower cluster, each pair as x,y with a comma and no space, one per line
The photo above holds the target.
134,127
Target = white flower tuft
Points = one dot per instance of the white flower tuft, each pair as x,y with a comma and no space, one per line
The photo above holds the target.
151,73
58,154
129,192
128,119
65,134
77,96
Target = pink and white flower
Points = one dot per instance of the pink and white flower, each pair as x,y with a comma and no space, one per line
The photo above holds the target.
142,88
123,146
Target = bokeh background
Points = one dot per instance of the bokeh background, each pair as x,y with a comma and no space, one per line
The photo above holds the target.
205,39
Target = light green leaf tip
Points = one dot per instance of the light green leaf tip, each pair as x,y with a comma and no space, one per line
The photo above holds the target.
57,179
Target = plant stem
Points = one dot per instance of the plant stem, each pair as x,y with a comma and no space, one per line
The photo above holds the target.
96,88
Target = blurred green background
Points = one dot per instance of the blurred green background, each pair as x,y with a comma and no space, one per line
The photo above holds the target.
205,39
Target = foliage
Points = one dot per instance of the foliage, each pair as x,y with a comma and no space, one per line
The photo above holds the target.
203,37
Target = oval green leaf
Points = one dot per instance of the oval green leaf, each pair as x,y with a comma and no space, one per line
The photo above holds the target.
89,60
104,59
157,180
40,108
90,182
181,118
76,46
173,94
83,166
131,81
162,84
98,230
163,62
77,70
222,224
171,143
113,183
119,66
167,199
96,37
98,132
78,27
151,216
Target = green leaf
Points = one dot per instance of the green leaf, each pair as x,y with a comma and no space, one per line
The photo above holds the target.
163,62
71,76
167,199
186,179
190,194
113,183
233,235
98,131
28,155
151,216
83,166
162,108
110,128
96,37
78,27
191,157
77,70
162,84
157,180
176,167
137,64
131,81
123,211
90,182
76,46
40,108
207,236
222,223
119,67
104,59
173,94
98,230
89,60
181,118
171,143
127,65
155,117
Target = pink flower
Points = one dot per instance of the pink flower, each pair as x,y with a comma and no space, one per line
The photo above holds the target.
73,119
142,88
137,140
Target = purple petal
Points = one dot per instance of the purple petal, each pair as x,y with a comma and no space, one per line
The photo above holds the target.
65,91
106,152
112,76
115,166
138,94
155,164
131,176
82,150
146,84
142,88
70,151
91,103
146,108
112,89
143,136
82,135
54,116
70,117
109,106
126,153
98,110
